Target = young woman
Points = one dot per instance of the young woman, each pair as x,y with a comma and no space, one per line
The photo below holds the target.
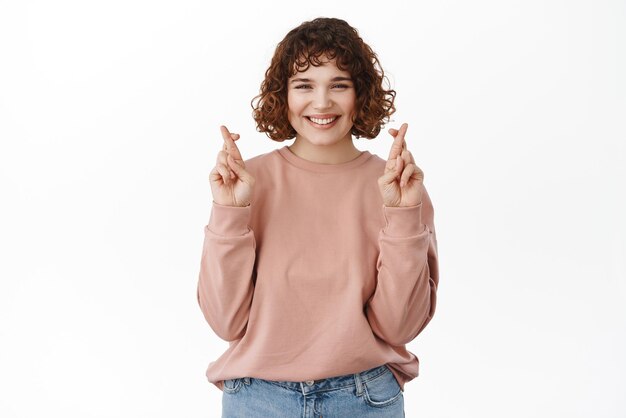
319,261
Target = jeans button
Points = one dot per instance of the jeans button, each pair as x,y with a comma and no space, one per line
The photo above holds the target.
309,382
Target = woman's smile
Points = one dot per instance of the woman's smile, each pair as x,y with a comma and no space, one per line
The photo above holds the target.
325,125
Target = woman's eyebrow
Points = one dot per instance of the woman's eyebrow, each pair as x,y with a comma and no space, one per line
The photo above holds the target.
333,79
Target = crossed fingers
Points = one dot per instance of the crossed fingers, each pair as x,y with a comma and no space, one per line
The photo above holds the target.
229,148
398,147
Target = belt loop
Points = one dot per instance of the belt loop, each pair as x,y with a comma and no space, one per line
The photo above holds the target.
357,382
246,380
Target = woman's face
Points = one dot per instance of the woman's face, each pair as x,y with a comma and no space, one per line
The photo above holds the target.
328,93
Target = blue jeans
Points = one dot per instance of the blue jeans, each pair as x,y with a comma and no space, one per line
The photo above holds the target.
370,393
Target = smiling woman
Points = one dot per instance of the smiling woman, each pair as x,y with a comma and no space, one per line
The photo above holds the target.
353,69
321,110
320,261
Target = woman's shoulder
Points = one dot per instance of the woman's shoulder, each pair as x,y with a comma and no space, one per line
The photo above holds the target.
262,159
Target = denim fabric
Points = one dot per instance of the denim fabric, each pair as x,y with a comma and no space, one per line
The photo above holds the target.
370,393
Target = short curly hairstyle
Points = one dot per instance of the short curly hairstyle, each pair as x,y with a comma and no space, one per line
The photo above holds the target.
303,46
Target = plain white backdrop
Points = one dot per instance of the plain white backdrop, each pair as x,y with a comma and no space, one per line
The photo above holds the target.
109,127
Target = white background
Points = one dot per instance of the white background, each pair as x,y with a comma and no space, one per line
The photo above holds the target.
109,127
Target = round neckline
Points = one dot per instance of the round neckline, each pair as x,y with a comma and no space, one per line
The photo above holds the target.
320,167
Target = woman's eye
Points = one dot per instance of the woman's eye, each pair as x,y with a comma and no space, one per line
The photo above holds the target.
301,86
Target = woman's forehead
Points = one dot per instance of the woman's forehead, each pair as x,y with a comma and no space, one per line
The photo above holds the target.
328,67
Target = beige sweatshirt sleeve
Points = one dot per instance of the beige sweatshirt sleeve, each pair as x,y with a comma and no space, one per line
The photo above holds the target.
406,293
225,285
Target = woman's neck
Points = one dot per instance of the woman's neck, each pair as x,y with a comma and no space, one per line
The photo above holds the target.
337,153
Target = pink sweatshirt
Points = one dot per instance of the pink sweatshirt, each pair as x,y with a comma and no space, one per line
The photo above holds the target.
316,278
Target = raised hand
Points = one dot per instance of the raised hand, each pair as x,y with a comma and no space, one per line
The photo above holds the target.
231,184
401,183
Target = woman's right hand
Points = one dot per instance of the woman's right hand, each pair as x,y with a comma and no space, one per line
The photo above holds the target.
231,184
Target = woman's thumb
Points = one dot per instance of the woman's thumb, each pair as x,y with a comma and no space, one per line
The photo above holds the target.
392,174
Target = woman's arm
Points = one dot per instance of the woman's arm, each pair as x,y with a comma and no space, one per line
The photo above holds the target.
225,286
408,273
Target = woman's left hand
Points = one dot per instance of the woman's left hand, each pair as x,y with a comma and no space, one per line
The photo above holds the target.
401,184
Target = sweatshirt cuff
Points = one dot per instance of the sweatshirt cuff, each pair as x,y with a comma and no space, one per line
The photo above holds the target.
229,220
403,221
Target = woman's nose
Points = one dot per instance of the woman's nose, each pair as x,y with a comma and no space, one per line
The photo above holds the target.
322,100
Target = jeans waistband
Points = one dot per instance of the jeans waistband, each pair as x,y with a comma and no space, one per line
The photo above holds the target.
331,383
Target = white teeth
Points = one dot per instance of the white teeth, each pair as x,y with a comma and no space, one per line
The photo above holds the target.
323,121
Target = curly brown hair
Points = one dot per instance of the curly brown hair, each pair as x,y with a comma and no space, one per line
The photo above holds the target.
303,46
